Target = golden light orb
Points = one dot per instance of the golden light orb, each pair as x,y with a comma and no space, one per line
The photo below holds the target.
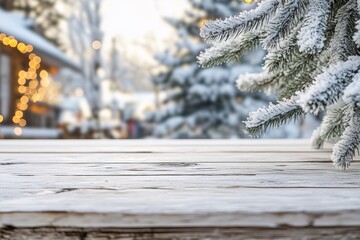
44,74
21,81
42,91
24,99
19,114
29,48
33,84
45,82
21,47
22,74
22,122
15,119
13,43
32,56
23,106
22,89
6,41
1,118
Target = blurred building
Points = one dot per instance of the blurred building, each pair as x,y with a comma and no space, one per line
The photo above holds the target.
28,93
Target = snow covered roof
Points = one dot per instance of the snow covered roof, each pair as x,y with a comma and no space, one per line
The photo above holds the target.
16,25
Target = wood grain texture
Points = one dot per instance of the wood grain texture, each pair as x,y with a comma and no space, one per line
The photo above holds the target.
177,189
182,234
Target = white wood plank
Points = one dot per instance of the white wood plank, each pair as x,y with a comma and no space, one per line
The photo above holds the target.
153,158
174,184
152,146
189,208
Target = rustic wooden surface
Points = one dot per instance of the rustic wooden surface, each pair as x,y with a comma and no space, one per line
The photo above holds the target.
175,190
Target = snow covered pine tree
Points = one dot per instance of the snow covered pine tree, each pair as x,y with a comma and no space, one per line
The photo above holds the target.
312,63
202,103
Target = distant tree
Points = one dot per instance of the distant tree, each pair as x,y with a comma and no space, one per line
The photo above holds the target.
201,103
47,14
86,41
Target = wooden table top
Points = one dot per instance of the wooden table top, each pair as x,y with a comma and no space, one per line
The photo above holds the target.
168,183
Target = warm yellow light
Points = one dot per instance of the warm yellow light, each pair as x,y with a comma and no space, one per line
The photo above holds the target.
21,47
29,48
23,106
33,84
35,97
22,122
96,45
18,131
6,41
44,74
15,119
28,75
24,99
42,91
2,36
248,1
32,56
21,81
45,82
19,114
32,70
33,75
202,23
37,59
1,118
22,89
22,74
13,43
32,63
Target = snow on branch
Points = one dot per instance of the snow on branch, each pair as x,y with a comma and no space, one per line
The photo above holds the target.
329,85
282,23
273,116
311,37
230,28
229,51
345,149
352,92
342,44
254,81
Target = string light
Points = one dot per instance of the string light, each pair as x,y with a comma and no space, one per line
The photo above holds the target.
248,1
17,131
30,87
96,45
202,23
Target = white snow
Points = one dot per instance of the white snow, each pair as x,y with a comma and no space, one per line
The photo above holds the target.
16,25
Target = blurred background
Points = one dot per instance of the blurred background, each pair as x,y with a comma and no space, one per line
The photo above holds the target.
122,69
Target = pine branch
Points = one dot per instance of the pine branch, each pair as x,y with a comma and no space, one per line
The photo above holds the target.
352,92
341,45
311,38
329,85
272,116
230,28
255,81
335,121
230,51
345,149
278,59
282,23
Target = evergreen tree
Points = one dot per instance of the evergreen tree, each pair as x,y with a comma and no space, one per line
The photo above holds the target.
201,103
312,63
48,15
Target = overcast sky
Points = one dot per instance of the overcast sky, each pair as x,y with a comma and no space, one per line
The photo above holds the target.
135,20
